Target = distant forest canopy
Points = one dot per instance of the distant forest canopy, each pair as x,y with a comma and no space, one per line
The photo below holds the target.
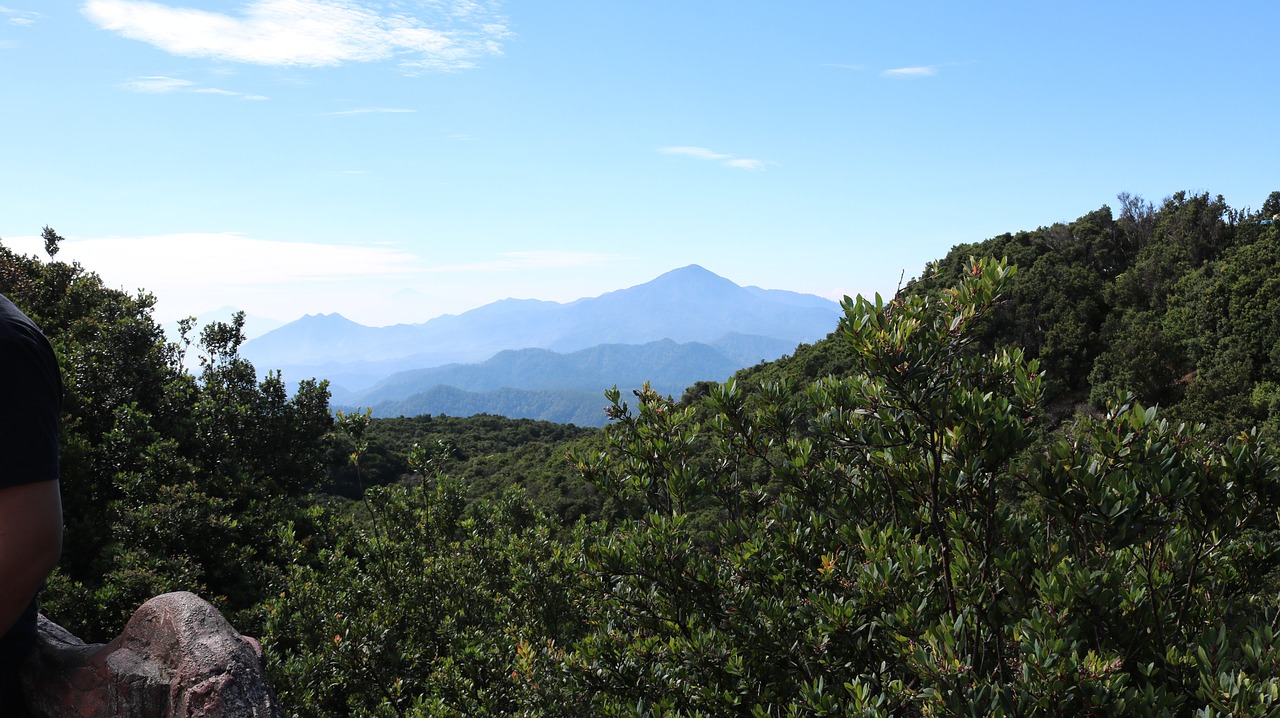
965,500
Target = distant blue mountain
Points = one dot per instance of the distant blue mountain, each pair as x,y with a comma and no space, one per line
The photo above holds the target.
567,388
684,326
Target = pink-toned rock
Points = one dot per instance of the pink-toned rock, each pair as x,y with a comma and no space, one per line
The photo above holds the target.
177,658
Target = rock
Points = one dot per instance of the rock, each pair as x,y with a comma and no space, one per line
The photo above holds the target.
177,658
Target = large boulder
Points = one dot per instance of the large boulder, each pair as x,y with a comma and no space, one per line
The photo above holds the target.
177,658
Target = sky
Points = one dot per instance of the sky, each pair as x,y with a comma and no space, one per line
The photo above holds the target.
397,160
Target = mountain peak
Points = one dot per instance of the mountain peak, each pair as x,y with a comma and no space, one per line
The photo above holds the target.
332,319
691,269
693,278
689,304
690,272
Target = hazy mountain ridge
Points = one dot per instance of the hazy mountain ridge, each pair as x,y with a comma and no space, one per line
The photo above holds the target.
687,304
685,326
667,365
547,385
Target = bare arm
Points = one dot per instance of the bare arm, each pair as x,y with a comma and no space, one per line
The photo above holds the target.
30,544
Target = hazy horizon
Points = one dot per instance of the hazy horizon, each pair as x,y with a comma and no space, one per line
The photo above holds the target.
393,162
256,325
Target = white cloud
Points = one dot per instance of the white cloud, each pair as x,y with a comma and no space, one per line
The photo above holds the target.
157,85
227,259
703,153
161,85
370,110
21,18
191,273
917,71
421,35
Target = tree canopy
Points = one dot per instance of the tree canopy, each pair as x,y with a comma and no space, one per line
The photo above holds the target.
1038,481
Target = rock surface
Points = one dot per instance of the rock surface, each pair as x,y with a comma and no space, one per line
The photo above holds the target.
177,658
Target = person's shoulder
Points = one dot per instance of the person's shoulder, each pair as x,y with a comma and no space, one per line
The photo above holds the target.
15,325
12,318
25,352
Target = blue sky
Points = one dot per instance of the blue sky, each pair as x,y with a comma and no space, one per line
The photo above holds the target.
393,161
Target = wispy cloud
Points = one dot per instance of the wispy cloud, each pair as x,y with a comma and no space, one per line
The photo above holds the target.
19,17
702,153
420,34
192,272
918,71
530,260
158,85
161,85
221,259
906,72
371,110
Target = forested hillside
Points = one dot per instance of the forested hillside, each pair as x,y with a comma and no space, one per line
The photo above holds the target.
1176,304
169,481
1041,481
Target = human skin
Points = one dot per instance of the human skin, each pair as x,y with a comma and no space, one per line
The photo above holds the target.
30,544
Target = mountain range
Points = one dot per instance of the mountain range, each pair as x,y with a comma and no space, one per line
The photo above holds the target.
685,326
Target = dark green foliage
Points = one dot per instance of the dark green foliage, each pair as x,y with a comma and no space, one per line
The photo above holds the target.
1167,302
809,362
169,481
1057,305
903,555
427,617
1225,317
562,406
434,606
487,454
958,503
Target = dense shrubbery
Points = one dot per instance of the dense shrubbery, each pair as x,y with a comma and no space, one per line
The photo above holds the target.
958,503
1171,303
488,454
170,481
885,543
882,544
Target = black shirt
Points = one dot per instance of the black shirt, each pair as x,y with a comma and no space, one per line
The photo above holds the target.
30,401
30,409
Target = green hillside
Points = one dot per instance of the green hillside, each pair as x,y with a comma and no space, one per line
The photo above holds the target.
1175,303
1040,481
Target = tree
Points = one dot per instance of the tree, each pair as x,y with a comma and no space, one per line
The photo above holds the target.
430,607
51,241
891,543
169,481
